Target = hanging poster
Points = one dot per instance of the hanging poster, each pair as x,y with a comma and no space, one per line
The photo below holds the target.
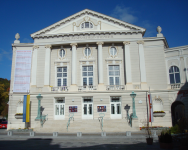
22,71
101,108
73,109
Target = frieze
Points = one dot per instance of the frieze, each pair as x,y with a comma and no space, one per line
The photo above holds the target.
87,37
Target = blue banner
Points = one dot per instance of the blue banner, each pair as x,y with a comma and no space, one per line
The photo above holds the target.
24,108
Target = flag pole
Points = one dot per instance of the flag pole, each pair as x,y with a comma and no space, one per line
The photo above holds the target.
147,110
150,106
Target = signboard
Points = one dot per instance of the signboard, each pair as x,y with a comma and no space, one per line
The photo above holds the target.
22,71
73,109
101,108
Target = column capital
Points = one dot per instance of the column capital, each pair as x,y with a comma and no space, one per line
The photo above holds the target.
35,47
48,46
100,43
126,42
140,42
73,44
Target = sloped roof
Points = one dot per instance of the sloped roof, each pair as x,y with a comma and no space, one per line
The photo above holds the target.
88,12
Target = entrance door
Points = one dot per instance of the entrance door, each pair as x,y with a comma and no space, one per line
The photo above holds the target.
115,108
59,109
87,109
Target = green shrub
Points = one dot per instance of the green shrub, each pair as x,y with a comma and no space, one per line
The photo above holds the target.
175,129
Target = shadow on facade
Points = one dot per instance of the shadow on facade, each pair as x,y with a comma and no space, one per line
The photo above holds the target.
38,143
179,108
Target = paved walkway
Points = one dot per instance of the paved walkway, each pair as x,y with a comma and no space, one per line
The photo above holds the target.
23,141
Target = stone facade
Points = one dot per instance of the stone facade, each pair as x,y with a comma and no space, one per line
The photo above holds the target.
103,60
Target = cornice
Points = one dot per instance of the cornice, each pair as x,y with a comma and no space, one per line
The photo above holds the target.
88,33
87,12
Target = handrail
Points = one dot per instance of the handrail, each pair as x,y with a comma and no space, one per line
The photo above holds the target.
70,118
101,120
43,119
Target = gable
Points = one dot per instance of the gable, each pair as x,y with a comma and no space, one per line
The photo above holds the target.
87,21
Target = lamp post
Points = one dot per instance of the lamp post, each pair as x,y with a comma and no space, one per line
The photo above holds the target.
39,97
133,95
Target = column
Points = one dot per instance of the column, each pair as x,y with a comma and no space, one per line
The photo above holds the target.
73,79
127,64
34,66
142,63
47,65
100,62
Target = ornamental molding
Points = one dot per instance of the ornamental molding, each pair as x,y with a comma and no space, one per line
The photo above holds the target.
126,42
48,46
73,44
100,43
35,47
88,13
140,42
86,19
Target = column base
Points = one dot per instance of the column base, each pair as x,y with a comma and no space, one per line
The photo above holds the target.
73,87
129,86
101,87
144,86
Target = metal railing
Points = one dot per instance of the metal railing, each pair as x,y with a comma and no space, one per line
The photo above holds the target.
60,88
87,88
70,118
101,120
115,87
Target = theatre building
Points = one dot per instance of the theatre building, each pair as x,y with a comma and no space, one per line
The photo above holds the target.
90,65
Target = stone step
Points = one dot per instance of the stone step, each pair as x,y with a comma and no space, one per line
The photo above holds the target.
85,126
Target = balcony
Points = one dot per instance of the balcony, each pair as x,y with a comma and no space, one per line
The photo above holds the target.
87,88
176,86
60,88
115,87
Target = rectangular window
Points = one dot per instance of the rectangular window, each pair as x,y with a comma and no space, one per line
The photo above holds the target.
87,75
61,76
114,75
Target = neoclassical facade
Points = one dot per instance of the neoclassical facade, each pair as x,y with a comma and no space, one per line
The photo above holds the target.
88,64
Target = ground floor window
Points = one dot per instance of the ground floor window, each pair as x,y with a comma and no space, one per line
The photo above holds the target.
59,108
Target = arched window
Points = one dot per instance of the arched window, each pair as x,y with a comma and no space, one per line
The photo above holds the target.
87,51
86,25
174,74
62,53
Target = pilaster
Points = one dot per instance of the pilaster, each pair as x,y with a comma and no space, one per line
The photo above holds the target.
74,70
142,65
34,66
127,66
100,66
47,66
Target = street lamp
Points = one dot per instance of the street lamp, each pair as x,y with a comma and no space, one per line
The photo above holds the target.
39,117
39,97
129,119
133,95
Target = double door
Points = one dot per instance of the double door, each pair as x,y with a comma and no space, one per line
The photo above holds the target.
115,110
87,109
59,111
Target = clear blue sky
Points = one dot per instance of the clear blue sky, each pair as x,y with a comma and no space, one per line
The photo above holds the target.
28,16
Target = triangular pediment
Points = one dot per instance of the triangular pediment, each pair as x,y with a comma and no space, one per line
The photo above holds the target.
87,21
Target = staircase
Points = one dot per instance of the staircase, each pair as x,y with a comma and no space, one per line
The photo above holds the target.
85,126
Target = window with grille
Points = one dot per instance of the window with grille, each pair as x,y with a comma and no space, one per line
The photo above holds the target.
114,75
87,75
61,76
174,75
86,25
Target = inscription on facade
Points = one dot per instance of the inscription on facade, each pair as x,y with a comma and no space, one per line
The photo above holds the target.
87,37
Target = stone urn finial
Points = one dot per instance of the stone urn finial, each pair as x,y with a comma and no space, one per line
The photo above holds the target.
17,36
159,29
